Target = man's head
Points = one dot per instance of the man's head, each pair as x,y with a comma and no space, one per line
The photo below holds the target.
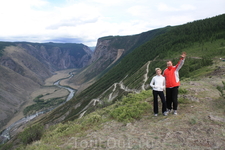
169,63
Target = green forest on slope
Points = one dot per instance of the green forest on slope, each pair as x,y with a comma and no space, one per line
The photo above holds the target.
139,39
203,38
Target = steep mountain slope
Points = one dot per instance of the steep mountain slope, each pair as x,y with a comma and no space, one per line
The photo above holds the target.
203,39
109,50
199,124
25,66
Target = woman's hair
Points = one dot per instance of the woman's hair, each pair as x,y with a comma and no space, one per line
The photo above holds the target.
157,69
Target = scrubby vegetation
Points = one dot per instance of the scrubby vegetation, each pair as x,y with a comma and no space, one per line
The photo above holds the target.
31,134
132,107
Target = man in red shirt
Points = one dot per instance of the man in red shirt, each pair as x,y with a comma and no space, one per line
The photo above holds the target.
171,75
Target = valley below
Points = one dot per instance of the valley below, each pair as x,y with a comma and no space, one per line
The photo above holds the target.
50,90
24,68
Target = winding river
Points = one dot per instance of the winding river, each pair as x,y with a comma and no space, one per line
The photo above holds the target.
5,134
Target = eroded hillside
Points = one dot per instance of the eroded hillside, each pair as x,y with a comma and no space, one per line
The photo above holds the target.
25,66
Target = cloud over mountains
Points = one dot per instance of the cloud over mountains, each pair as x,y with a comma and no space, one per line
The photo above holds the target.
87,20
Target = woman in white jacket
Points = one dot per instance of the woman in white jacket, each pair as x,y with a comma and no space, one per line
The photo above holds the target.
158,85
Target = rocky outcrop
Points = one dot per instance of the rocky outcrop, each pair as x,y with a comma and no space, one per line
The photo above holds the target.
105,55
60,56
110,49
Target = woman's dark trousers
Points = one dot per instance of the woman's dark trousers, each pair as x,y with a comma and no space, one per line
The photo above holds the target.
162,97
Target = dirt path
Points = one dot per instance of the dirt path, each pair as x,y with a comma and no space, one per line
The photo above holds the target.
145,76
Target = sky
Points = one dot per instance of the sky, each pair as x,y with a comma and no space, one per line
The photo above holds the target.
84,21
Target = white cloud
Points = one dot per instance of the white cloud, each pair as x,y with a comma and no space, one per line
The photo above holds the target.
18,17
77,14
183,7
87,20
139,10
107,2
164,7
187,7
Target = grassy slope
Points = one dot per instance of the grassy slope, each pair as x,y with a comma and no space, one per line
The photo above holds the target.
199,125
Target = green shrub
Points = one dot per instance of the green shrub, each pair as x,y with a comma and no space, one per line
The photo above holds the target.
221,89
131,107
61,128
31,134
92,119
193,121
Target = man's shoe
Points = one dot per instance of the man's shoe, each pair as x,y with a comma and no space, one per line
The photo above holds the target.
165,113
155,115
175,112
